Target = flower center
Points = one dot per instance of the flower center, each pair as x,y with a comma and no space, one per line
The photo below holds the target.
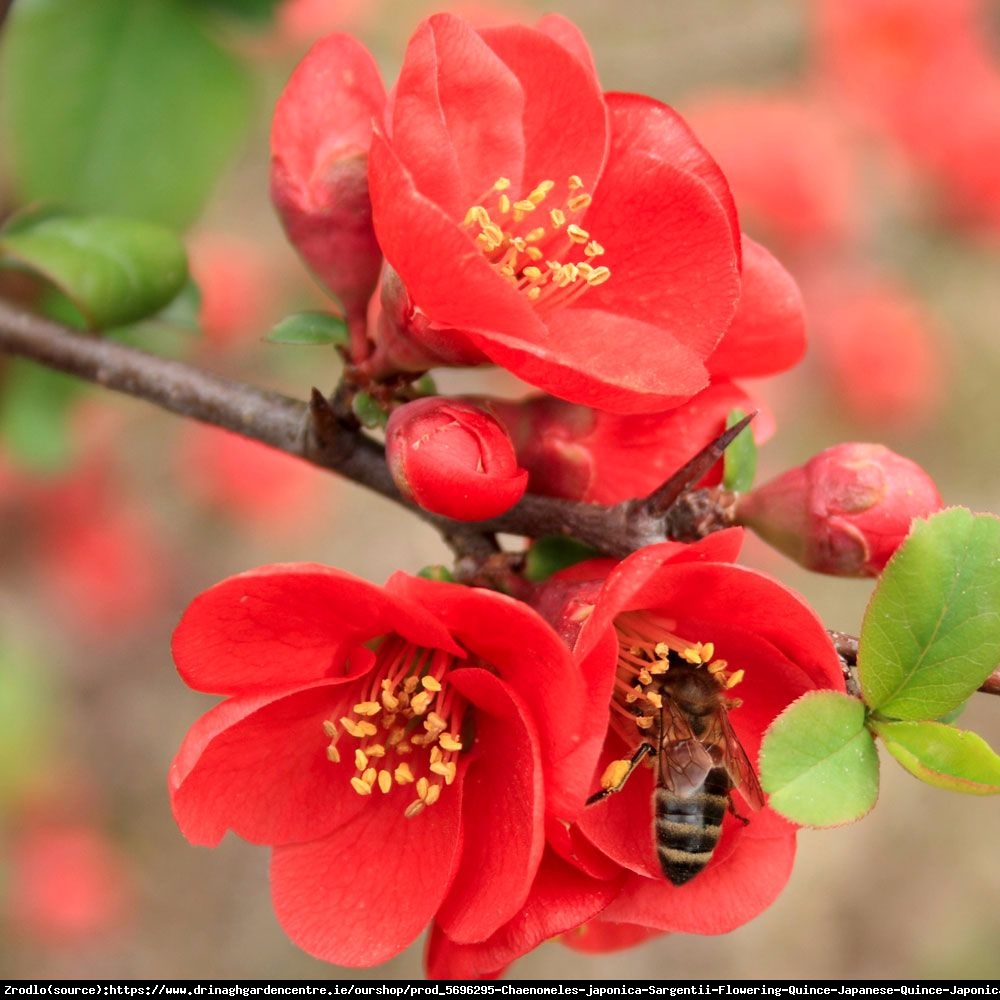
406,732
541,249
647,649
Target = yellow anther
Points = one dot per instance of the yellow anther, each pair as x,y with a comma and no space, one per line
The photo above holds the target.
645,677
429,683
421,702
691,654
501,184
655,699
375,750
579,202
534,235
598,276
614,773
593,249
359,730
644,722
422,785
452,770
557,217
440,767
541,192
433,794
716,666
436,755
632,695
369,776
503,204
330,729
524,206
360,787
434,723
333,754
450,742
395,737
390,702
413,809
360,759
367,708
533,253
534,293
574,182
410,685
659,666
532,273
384,781
576,234
403,774
661,649
707,651
734,679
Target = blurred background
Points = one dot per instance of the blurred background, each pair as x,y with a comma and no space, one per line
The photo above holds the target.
862,140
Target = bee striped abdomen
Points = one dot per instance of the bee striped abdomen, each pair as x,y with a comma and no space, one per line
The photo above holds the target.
687,828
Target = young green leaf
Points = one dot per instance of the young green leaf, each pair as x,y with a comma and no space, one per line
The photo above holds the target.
943,755
138,114
931,633
114,270
818,761
310,328
739,462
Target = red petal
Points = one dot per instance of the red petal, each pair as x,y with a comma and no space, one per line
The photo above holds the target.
502,812
453,148
361,895
768,333
661,132
257,765
561,898
286,625
725,895
512,639
599,936
570,37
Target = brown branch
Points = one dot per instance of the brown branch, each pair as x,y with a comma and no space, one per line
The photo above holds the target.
312,431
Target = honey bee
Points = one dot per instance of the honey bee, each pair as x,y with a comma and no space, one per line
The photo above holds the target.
698,760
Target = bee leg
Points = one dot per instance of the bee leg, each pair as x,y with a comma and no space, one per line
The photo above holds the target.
643,750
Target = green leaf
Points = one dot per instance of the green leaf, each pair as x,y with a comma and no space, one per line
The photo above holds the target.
123,106
931,633
27,724
35,408
739,462
943,756
818,761
310,328
369,411
551,554
114,270
437,572
253,11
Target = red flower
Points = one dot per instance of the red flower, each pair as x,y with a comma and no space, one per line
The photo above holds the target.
843,512
453,458
585,242
400,749
578,453
687,609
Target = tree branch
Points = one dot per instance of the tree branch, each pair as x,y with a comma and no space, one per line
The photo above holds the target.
311,431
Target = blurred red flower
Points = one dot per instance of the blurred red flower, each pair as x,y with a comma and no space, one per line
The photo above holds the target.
399,748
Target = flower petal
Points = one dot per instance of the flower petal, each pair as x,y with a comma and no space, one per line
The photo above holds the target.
502,812
361,895
768,333
286,625
257,765
561,898
725,895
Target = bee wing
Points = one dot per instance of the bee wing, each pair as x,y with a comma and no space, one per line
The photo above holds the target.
683,763
735,759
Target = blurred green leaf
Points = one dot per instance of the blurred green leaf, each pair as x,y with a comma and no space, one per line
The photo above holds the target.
369,411
739,461
123,106
818,761
114,270
255,11
551,554
931,633
437,572
35,406
310,328
943,756
26,723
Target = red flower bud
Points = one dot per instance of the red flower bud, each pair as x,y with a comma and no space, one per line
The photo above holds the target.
319,166
845,511
453,458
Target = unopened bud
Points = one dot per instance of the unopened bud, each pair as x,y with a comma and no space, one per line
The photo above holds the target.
319,166
845,511
453,458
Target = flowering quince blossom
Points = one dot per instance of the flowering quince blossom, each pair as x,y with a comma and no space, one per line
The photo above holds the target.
400,748
766,646
453,458
584,241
